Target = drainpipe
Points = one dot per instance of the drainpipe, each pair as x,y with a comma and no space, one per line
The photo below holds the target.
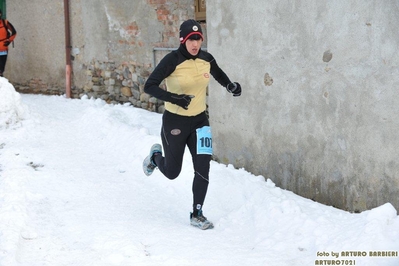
68,47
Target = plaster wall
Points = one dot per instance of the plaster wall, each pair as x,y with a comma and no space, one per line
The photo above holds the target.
319,108
121,32
40,38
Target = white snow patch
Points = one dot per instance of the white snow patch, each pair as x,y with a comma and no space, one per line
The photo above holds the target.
72,192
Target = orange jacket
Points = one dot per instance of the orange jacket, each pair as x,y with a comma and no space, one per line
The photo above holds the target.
7,33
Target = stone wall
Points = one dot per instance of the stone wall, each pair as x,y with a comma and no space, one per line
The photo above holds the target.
119,84
106,81
113,47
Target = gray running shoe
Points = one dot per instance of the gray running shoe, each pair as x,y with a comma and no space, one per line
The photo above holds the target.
148,163
200,221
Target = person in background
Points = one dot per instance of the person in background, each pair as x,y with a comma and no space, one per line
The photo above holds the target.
7,36
186,72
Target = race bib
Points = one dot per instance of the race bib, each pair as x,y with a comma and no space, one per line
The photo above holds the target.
204,140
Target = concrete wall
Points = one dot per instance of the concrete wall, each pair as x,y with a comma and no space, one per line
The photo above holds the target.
319,110
318,113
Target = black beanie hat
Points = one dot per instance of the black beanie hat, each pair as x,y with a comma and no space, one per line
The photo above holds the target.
189,29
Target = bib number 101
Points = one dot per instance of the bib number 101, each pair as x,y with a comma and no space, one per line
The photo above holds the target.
204,140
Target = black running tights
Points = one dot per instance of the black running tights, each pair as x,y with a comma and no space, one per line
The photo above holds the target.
177,132
3,60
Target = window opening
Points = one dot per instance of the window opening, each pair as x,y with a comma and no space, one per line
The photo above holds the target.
200,10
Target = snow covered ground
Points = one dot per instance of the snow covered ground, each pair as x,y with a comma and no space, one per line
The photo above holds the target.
72,192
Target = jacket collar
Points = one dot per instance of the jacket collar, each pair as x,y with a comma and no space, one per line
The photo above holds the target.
182,49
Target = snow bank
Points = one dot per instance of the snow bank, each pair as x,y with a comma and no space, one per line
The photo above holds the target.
72,192
11,109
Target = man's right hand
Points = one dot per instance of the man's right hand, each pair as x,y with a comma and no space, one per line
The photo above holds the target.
182,100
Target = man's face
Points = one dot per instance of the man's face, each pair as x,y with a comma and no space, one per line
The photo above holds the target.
193,46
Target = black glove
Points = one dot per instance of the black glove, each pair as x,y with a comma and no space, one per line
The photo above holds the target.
234,88
181,100
6,43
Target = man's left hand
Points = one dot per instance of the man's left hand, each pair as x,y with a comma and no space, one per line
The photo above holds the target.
234,88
